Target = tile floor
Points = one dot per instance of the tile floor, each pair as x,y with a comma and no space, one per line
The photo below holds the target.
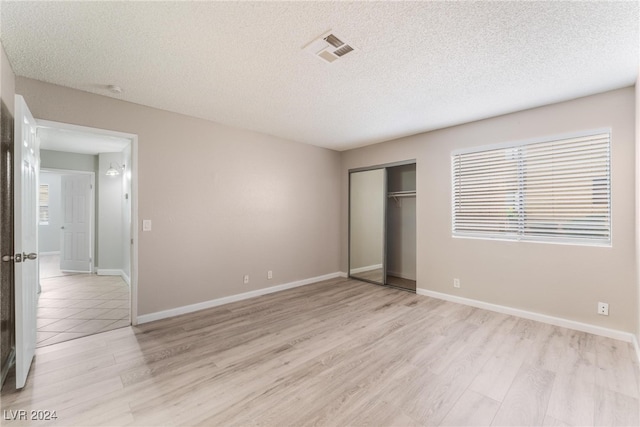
75,305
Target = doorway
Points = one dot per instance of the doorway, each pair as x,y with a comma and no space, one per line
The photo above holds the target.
85,232
7,277
66,222
382,225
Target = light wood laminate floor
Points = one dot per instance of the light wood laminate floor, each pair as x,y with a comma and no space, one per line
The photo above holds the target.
335,353
377,276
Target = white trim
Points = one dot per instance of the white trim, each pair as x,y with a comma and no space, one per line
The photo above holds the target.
109,272
114,272
78,128
145,318
56,171
134,198
126,278
366,268
557,321
343,274
133,267
634,341
49,253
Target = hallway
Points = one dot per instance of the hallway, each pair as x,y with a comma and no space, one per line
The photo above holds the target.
75,305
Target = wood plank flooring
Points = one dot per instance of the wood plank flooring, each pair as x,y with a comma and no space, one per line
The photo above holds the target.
339,352
401,282
377,276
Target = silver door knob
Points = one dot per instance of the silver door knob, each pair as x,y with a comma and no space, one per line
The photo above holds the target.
31,256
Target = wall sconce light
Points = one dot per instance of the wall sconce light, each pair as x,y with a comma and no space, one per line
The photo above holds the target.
114,171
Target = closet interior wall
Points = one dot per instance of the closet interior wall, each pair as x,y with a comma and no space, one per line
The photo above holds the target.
401,226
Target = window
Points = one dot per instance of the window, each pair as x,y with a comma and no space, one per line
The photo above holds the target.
44,204
553,191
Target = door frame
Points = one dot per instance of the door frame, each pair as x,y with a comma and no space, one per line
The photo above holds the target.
92,213
133,138
384,166
7,269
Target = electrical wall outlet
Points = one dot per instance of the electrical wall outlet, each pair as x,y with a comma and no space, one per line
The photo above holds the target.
603,308
246,279
456,283
269,274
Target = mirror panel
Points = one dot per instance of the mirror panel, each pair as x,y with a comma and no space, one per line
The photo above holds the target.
366,225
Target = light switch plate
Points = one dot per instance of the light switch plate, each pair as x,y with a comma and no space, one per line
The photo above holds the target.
146,225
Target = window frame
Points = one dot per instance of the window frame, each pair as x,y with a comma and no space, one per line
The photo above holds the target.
41,205
564,240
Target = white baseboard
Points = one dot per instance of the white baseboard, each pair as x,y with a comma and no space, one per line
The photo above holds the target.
49,253
557,321
114,272
109,272
636,347
145,318
343,274
366,268
76,271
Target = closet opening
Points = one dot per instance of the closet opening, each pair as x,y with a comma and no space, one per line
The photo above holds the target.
382,225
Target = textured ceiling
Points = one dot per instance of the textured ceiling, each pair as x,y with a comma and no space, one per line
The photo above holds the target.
418,66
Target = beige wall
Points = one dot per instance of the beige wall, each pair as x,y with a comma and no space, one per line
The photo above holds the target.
557,280
224,202
70,161
227,202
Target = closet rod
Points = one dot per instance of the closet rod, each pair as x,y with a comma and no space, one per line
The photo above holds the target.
402,194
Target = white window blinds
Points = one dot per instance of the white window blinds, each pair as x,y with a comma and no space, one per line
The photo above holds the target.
545,191
44,204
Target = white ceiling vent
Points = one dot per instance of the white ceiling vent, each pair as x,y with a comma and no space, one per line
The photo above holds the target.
328,47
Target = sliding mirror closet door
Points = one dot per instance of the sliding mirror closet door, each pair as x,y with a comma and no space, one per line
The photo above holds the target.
367,197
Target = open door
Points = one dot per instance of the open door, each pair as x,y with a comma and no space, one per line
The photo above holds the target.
75,245
26,169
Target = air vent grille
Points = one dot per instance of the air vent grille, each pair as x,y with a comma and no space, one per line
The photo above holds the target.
328,47
343,50
333,40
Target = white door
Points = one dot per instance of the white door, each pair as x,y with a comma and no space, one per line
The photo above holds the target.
75,245
27,165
